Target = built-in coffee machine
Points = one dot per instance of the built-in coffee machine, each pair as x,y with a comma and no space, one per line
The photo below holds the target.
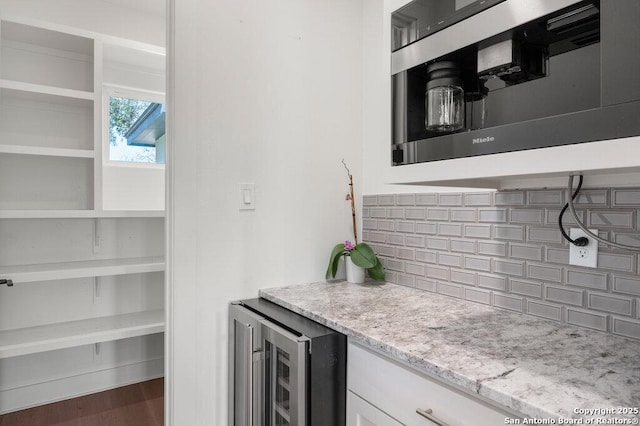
481,77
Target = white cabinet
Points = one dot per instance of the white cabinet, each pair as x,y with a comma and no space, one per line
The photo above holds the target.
88,283
361,413
397,393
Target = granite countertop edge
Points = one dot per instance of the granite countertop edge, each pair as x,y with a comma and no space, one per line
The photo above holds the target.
493,386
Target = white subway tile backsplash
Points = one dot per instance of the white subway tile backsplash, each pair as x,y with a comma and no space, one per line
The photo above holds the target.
437,273
426,199
492,248
386,200
424,284
415,268
600,219
619,262
406,254
508,267
405,280
395,239
492,215
477,295
414,241
426,256
386,225
370,200
415,213
449,259
625,198
544,235
587,319
557,255
527,216
516,198
593,197
437,243
463,246
395,213
493,282
504,248
568,296
477,263
428,228
480,199
477,231
525,288
450,230
450,199
463,215
406,199
553,197
626,284
450,289
544,310
506,232
582,278
463,277
513,303
438,214
544,272
609,303
527,252
626,327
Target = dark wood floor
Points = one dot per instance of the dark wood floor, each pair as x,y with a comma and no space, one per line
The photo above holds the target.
141,404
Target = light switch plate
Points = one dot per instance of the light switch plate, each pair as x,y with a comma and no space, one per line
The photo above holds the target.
247,196
586,255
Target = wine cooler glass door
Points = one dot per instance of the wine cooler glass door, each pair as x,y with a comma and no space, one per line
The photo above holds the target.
285,365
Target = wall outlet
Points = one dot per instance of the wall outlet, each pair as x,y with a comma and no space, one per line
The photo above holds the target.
586,255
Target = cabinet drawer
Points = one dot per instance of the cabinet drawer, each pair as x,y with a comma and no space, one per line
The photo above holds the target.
361,413
399,391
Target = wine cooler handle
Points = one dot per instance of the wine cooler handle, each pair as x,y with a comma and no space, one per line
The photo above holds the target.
428,414
249,376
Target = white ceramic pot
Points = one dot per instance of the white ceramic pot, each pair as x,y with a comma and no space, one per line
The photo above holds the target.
355,274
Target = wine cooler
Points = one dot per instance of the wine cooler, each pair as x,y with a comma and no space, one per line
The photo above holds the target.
284,369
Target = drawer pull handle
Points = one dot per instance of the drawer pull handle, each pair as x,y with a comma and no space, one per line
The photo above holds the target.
428,414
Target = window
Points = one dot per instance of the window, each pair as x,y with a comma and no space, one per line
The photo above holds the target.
136,128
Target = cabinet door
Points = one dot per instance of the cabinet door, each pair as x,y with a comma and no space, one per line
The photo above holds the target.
361,413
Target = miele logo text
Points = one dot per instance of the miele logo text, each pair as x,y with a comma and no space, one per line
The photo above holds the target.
483,140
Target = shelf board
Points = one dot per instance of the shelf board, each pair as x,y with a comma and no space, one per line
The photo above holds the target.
46,151
46,90
81,269
31,340
77,214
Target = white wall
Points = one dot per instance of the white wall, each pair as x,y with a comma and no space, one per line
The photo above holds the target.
267,92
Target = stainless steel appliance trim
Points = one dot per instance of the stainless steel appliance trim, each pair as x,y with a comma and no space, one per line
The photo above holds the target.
495,20
242,356
296,347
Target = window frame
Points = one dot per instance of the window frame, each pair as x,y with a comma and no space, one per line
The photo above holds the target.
124,92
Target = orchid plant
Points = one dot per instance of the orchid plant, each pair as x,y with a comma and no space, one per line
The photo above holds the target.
361,254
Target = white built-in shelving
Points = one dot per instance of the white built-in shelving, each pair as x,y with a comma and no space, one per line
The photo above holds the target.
80,269
82,274
49,337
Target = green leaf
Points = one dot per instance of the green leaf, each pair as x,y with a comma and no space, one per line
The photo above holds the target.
363,256
336,253
377,272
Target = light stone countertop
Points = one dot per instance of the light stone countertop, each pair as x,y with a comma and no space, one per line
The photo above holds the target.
536,367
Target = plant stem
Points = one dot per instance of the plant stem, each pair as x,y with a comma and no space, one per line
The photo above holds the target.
353,210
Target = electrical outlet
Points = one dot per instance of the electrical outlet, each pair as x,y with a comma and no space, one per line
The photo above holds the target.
585,255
